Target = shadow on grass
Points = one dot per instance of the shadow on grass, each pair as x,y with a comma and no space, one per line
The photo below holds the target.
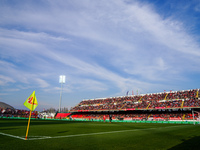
191,144
63,131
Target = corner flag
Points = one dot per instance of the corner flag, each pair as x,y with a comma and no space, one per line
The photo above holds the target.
31,100
31,103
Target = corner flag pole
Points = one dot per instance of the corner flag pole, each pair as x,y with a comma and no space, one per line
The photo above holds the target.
29,118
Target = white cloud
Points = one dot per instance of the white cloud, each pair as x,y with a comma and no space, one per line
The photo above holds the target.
99,45
42,83
5,79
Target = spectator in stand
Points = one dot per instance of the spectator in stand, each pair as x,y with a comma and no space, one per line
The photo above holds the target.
148,101
104,118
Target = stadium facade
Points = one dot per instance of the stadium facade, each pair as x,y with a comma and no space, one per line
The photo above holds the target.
172,105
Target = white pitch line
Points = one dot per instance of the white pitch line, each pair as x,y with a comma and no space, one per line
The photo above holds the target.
75,135
18,137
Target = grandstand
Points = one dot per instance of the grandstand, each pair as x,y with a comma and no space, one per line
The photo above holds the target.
8,111
62,115
173,105
166,106
5,106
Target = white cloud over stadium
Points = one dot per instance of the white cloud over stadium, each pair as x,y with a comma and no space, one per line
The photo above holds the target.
105,48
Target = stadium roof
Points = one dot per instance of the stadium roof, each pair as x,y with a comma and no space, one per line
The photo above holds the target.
4,105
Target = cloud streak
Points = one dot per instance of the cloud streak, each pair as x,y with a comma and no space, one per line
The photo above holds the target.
106,47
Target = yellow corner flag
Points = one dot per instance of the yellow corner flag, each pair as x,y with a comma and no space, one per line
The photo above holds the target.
31,100
30,103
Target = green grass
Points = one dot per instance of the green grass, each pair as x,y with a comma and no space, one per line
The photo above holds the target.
97,135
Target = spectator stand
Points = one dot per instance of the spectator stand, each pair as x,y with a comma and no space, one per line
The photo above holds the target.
196,116
167,104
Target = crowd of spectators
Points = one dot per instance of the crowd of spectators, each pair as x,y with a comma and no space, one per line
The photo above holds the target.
156,101
150,117
8,112
165,100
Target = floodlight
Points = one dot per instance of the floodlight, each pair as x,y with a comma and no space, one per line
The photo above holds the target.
61,80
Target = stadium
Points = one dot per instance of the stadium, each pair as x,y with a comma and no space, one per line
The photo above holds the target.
115,122
167,106
107,74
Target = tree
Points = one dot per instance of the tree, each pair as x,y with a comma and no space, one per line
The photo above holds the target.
51,110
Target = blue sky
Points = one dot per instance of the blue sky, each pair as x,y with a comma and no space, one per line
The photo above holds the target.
104,47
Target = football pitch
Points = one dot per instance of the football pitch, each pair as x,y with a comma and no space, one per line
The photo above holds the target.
62,134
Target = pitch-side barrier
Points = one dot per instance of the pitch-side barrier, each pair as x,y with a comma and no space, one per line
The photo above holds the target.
129,121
